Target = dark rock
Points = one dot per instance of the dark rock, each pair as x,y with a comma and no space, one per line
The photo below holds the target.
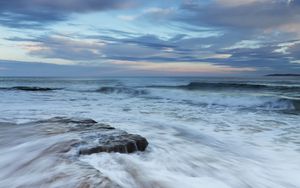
29,88
49,144
68,120
121,143
95,137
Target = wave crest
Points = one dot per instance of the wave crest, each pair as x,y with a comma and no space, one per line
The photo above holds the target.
231,86
125,90
262,102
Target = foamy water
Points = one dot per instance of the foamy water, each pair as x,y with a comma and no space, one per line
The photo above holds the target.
203,137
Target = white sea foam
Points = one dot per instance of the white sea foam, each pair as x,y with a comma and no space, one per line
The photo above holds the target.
225,99
196,138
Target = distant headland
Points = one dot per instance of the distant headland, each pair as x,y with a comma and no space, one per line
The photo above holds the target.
282,75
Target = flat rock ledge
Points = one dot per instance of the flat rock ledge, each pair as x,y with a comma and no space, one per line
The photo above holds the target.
95,137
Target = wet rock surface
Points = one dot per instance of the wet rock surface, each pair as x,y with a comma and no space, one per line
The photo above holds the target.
46,153
111,141
94,137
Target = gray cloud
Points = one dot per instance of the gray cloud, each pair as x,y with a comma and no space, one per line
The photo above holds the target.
181,48
294,51
37,13
61,47
255,15
239,26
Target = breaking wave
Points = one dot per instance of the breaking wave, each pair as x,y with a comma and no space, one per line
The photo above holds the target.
124,90
231,86
263,103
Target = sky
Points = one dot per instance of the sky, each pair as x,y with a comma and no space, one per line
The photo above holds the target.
149,38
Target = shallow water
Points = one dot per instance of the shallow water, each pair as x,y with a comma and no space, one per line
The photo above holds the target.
204,137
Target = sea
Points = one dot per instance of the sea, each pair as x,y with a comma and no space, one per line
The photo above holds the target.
202,132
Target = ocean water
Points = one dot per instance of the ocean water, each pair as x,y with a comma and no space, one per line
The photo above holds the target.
202,132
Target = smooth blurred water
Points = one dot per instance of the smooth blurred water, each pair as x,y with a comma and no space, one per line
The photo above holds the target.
204,137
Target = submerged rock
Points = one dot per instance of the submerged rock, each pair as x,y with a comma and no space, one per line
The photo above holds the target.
29,88
95,137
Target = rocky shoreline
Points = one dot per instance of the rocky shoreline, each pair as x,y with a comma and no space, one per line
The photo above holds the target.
50,151
94,137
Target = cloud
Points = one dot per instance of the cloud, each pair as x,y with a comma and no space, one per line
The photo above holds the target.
294,50
3,68
183,67
39,69
66,48
151,14
249,14
251,34
37,13
173,51
234,3
62,47
127,17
